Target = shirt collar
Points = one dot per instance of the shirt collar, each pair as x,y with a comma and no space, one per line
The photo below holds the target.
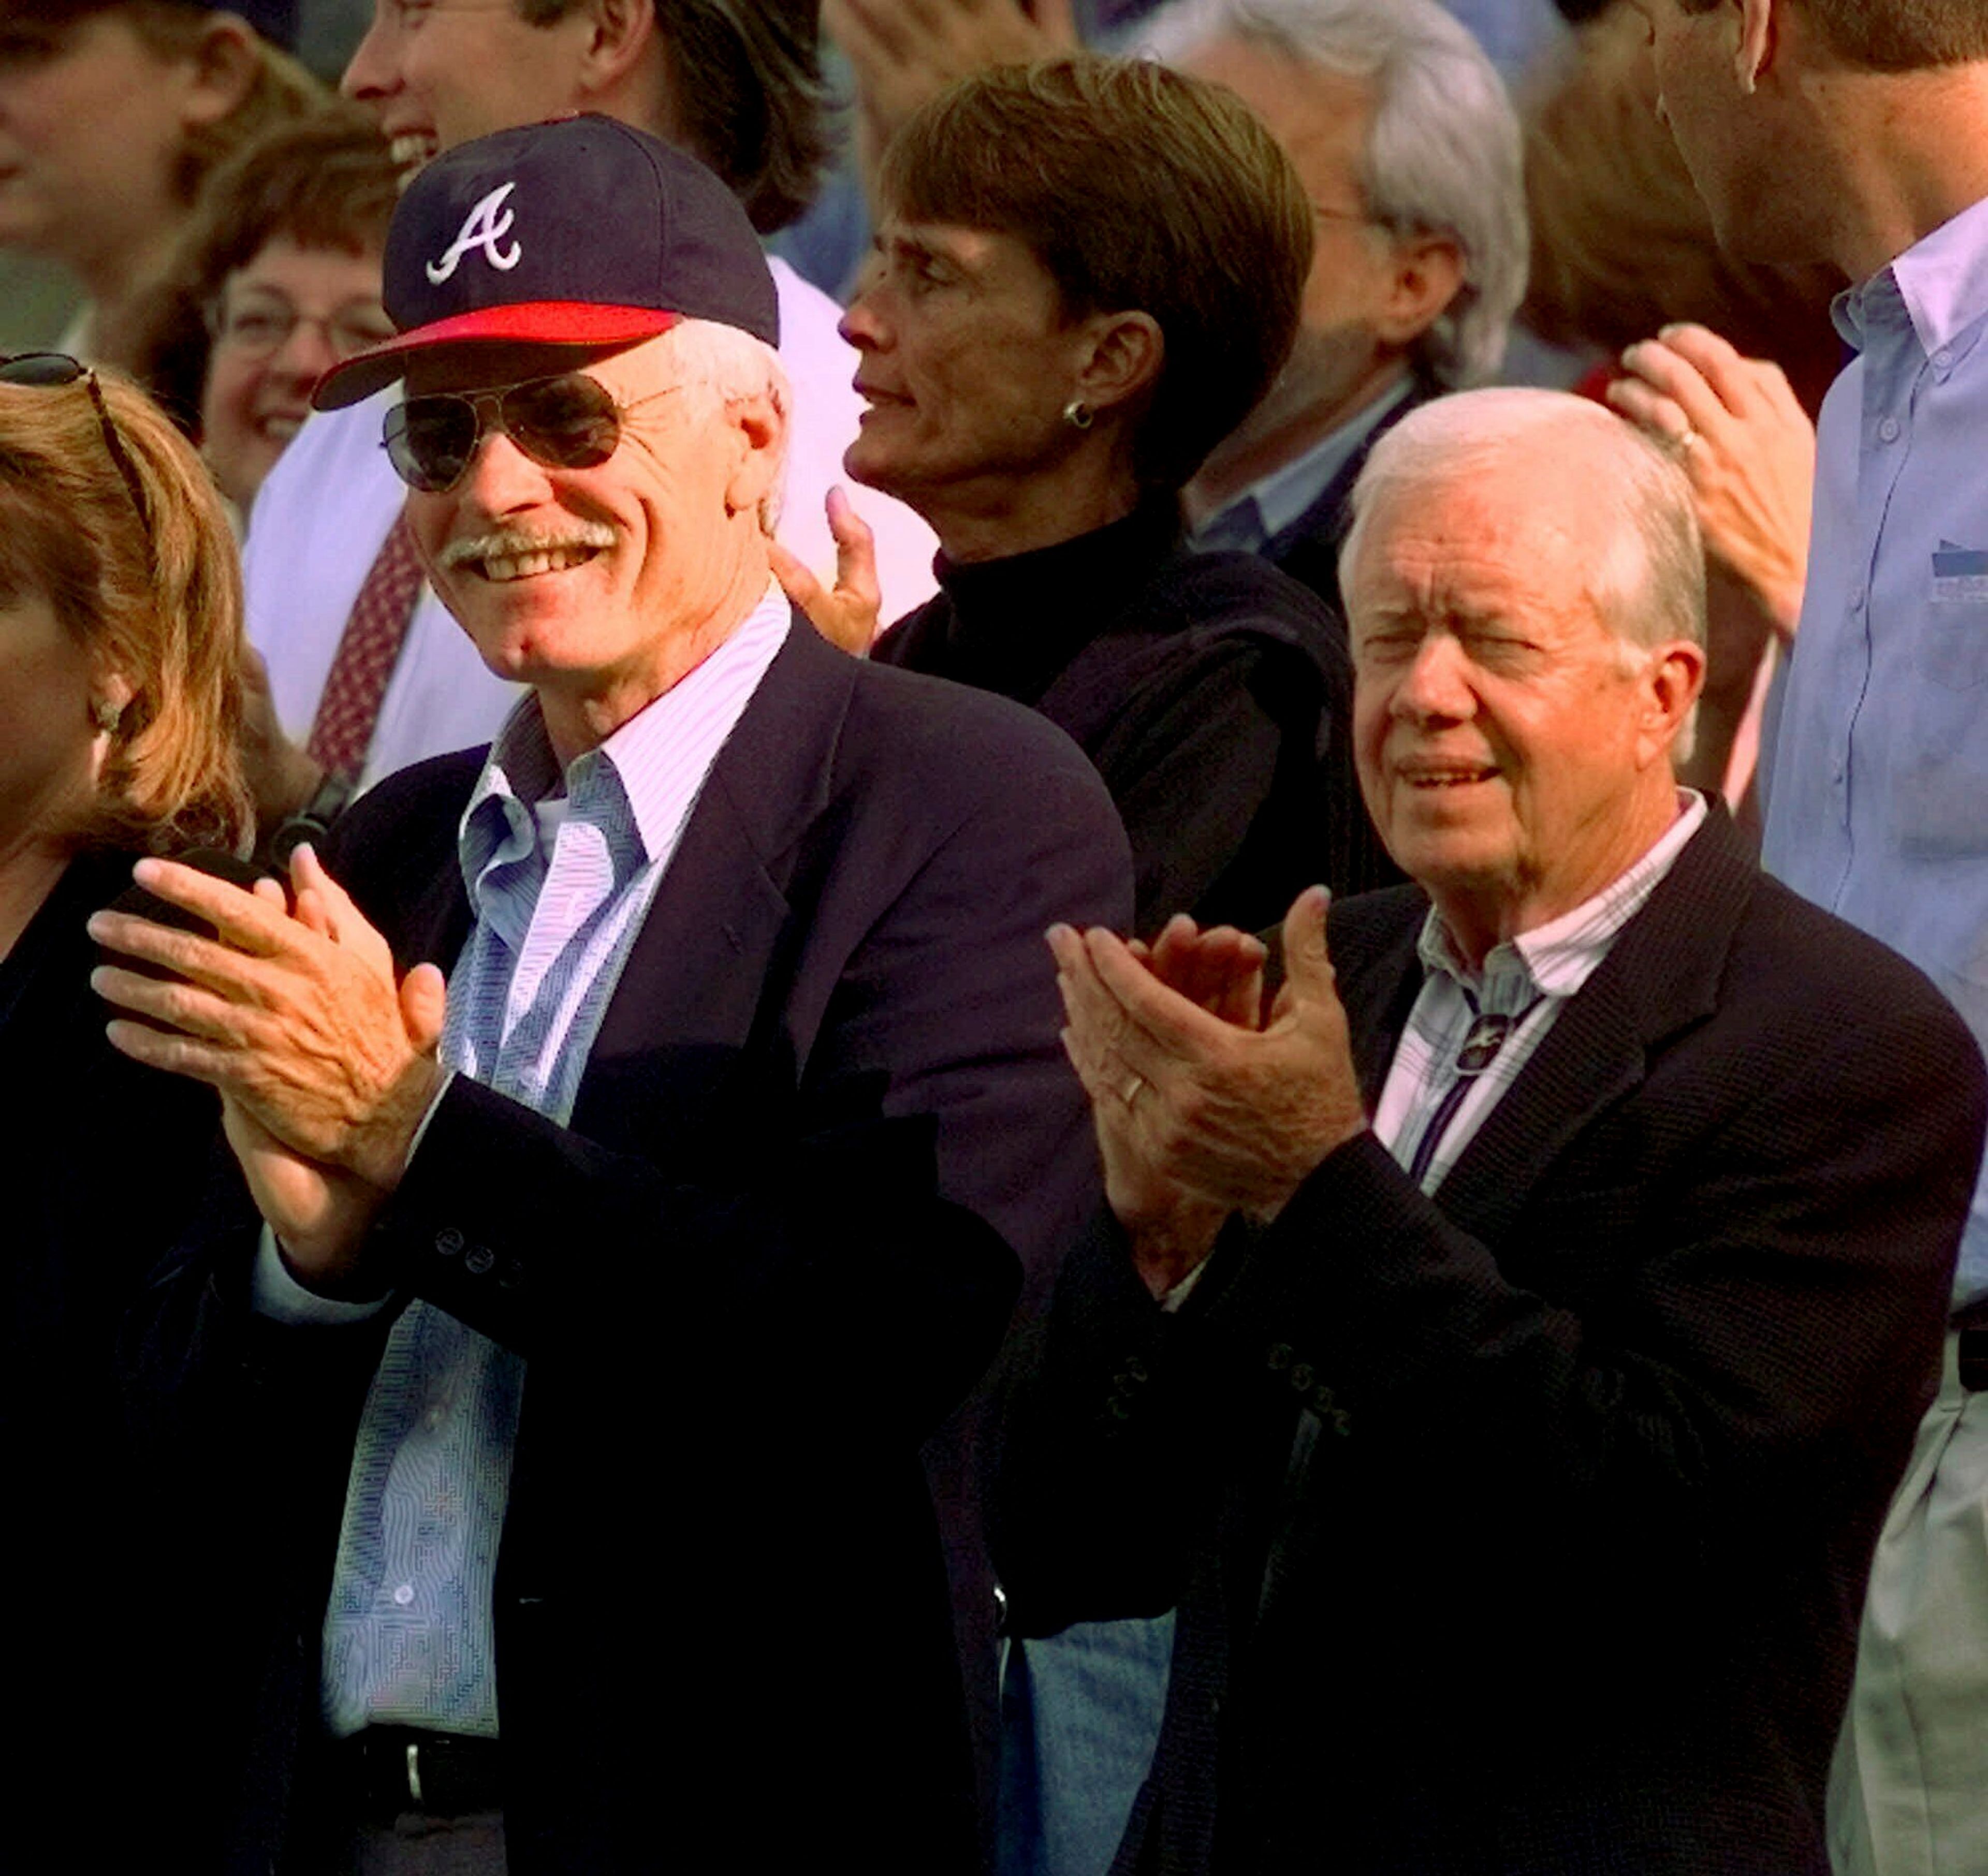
1939,285
1555,959
634,778
1283,495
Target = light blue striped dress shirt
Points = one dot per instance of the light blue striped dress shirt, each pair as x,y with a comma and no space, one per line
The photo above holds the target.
1877,781
559,884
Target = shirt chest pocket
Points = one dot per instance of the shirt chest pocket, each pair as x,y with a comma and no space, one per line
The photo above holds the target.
1951,650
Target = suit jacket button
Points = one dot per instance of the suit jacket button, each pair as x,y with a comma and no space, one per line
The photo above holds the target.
448,1242
1280,1356
1135,1368
1302,1377
479,1260
510,1273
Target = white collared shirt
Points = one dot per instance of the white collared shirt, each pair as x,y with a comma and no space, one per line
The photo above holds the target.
1529,977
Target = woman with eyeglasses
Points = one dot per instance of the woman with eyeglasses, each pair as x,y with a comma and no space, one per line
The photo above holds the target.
120,637
112,114
275,280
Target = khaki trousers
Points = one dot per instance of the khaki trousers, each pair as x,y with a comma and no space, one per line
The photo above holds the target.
1908,1790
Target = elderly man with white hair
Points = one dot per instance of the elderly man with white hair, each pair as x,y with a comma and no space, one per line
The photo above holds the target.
1511,1330
564,1402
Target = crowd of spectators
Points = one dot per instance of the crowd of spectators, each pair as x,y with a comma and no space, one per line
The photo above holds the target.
1041,937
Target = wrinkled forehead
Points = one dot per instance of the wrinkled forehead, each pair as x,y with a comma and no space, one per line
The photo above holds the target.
1484,537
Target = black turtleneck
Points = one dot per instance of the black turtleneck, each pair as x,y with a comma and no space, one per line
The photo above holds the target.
1211,692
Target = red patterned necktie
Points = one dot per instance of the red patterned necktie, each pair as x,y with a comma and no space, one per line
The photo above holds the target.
343,730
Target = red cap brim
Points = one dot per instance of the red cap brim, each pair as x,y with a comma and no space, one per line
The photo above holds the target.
535,322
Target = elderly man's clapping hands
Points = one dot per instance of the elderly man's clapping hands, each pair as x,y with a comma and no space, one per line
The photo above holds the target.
1206,1103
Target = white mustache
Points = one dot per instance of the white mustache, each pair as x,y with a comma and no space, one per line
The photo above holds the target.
514,543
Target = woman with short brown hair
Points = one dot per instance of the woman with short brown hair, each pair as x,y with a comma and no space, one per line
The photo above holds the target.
1088,272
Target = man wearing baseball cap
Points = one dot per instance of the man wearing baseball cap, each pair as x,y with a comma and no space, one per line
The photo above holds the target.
610,1286
739,84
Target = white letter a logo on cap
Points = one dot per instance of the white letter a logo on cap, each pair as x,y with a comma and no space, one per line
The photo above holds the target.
484,229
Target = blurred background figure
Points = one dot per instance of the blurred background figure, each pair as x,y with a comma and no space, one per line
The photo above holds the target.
1408,149
120,635
1086,271
1623,253
112,112
275,279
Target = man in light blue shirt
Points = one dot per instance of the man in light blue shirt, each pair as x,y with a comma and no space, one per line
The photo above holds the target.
1857,134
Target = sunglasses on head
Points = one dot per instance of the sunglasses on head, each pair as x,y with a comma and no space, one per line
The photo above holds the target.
569,422
52,371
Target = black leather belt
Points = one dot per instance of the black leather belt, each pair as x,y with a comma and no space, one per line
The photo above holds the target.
387,1770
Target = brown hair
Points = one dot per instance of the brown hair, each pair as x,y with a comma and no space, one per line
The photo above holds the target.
325,181
1623,244
1894,36
156,598
1139,189
746,92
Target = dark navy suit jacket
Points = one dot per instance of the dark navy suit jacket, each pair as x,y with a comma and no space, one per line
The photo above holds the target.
763,1262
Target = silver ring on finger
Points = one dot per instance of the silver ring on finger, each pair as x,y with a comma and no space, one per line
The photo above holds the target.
1132,1090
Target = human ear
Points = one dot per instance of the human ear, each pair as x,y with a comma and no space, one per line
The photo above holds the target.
1121,358
1672,681
761,426
217,75
619,33
1427,273
1757,40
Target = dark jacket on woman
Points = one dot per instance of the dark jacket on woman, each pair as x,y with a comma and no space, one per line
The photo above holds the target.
101,1163
1212,693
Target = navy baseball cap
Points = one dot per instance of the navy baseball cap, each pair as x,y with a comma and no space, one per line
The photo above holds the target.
581,232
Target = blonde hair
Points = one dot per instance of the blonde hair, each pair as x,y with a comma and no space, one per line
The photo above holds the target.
154,597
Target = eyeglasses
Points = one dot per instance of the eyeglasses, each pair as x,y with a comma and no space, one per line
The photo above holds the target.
260,326
52,370
568,422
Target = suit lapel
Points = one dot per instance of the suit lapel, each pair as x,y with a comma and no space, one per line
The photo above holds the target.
1662,975
711,955
1379,975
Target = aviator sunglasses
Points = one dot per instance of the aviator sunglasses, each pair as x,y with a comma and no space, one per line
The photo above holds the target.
568,422
52,371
